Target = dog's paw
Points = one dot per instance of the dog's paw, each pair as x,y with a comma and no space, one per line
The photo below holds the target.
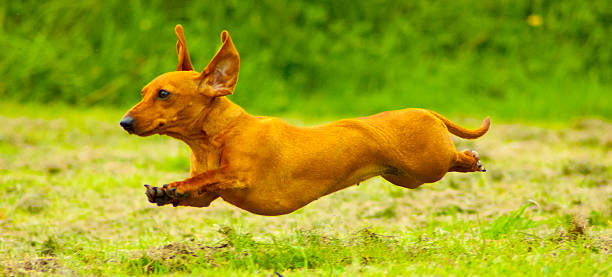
479,163
164,195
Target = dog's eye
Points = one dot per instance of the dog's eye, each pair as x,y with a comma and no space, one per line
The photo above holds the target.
163,94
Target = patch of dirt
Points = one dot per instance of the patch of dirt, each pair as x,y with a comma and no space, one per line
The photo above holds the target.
583,167
33,203
35,265
605,244
181,251
578,226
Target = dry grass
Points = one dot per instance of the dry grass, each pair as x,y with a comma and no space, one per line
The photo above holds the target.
73,203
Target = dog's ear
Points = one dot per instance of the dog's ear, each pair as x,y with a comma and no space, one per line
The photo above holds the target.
184,61
220,76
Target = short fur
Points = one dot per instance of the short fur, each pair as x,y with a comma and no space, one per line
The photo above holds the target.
268,167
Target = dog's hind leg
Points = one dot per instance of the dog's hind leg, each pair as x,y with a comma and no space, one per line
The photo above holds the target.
467,161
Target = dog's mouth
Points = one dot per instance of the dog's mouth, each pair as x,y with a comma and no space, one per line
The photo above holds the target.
129,129
152,131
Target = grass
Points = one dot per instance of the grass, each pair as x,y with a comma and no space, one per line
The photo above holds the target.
73,204
71,180
464,58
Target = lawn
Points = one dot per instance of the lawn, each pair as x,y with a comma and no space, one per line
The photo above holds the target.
72,181
73,204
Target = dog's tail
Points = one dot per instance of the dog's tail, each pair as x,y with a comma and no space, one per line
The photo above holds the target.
463,132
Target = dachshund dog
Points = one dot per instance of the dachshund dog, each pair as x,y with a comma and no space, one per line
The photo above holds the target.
268,167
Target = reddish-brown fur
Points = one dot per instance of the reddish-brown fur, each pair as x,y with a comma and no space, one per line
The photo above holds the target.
268,167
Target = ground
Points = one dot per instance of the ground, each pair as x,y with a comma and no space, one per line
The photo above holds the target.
74,204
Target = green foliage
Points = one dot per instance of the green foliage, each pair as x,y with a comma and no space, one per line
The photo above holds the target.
505,224
598,219
323,57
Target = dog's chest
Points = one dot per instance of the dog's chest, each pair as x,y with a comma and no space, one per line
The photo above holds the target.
203,160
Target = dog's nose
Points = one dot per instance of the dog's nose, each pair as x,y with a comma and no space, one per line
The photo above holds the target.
127,122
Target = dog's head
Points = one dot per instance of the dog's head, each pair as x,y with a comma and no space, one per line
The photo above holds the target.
175,100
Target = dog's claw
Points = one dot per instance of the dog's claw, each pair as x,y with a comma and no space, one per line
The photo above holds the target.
481,167
149,194
479,163
157,192
163,195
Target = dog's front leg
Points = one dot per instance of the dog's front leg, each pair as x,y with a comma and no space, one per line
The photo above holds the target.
197,191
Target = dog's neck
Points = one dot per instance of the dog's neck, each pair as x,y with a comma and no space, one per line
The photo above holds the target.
206,133
219,118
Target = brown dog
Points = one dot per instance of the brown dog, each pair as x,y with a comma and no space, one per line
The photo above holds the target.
268,167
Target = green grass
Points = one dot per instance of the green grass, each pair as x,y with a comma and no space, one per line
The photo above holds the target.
465,58
71,180
73,204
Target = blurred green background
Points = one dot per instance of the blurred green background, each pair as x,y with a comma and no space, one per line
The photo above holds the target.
515,60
